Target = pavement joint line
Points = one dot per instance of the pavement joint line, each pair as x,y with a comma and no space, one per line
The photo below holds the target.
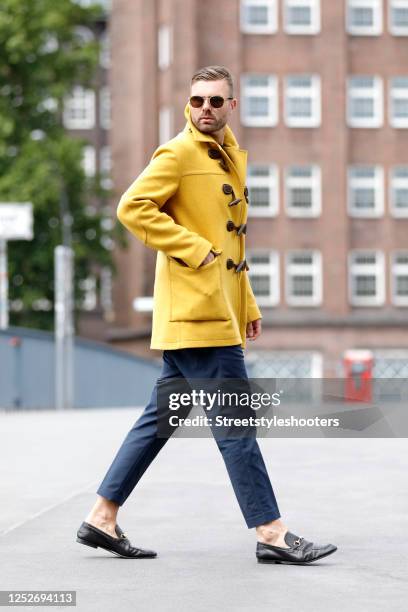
93,483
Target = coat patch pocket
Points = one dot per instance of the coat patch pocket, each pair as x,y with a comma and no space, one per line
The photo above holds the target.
196,294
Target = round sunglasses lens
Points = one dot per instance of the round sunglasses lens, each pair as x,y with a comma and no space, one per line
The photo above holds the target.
196,101
217,101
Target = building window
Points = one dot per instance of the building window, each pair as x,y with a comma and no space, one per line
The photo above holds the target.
259,16
89,294
79,109
105,4
399,102
398,17
105,50
259,100
365,102
302,101
105,108
105,294
364,17
366,278
365,191
399,278
264,276
302,16
263,186
303,278
89,160
303,191
83,34
165,124
399,191
105,167
301,365
164,44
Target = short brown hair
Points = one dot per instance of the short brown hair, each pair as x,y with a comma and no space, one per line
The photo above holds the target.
214,73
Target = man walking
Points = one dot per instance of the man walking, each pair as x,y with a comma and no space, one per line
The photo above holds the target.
190,204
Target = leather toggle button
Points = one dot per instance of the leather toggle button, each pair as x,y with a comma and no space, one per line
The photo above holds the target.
241,229
246,194
214,153
235,202
227,189
242,265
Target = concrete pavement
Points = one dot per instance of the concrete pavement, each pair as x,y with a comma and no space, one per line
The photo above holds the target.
349,492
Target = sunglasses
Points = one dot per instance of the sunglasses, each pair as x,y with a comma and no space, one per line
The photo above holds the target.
215,101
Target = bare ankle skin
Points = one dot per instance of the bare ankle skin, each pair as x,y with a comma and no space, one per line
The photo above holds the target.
272,533
103,515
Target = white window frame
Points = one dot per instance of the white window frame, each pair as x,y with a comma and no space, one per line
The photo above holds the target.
105,167
314,270
396,93
89,160
271,269
270,27
377,94
313,28
396,182
271,182
105,119
398,269
313,182
165,128
80,99
84,34
270,91
376,183
377,27
105,50
395,29
376,269
89,299
164,46
313,92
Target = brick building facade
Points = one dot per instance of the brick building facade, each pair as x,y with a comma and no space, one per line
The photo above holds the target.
323,111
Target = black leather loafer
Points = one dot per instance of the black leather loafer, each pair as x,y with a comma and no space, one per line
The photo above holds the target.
299,551
96,538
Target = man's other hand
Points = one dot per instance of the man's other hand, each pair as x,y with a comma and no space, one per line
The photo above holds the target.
254,329
207,260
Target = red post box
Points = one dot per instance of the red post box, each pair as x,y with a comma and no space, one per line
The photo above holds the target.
358,365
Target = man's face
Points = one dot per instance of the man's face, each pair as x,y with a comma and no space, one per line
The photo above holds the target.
207,118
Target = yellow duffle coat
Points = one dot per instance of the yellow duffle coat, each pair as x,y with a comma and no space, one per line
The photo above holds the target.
180,206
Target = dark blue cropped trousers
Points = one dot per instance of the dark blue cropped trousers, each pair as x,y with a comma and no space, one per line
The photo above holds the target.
242,456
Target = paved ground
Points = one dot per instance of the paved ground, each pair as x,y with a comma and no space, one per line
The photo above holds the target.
350,492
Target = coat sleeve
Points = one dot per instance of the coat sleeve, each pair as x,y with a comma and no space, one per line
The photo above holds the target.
139,211
253,312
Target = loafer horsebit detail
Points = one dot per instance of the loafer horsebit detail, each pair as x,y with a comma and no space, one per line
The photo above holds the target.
242,265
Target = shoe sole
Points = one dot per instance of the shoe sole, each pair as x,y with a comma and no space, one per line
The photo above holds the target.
296,562
87,543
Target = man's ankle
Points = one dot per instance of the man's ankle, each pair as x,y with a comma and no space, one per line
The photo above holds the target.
272,533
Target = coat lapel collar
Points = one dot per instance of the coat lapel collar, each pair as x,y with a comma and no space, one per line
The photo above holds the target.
237,157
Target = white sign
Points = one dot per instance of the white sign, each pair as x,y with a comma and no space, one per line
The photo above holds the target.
16,221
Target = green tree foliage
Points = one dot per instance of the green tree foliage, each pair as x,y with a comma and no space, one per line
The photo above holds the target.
41,59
